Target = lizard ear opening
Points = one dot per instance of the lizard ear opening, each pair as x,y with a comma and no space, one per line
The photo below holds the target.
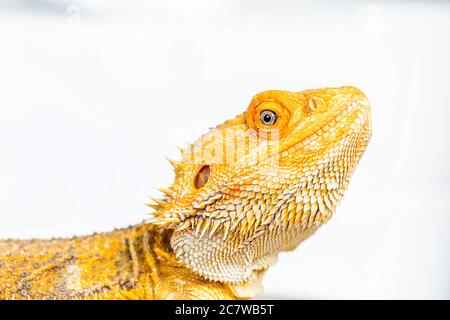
202,177
214,256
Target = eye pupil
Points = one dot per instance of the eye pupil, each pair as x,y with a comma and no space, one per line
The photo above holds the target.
268,117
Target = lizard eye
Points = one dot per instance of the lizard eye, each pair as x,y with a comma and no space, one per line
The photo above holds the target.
202,176
268,117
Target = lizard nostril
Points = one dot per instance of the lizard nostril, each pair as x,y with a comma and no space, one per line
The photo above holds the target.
202,176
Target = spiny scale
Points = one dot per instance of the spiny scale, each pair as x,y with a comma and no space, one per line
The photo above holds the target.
215,226
175,164
167,191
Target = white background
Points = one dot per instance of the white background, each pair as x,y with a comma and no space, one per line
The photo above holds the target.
94,95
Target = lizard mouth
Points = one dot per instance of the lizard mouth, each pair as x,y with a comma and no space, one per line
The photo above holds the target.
353,115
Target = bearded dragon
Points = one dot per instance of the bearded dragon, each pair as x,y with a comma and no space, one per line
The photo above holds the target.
250,188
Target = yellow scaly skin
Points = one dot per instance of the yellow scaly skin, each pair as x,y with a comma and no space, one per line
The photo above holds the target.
243,192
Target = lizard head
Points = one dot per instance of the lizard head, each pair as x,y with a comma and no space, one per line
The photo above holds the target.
264,181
